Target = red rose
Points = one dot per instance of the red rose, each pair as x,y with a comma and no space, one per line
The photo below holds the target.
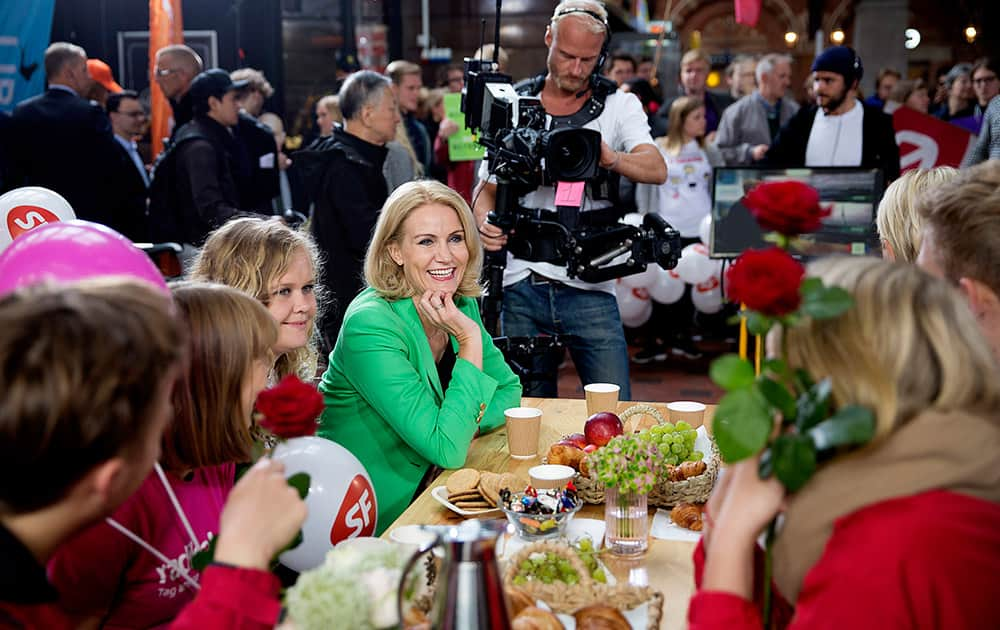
788,208
766,281
290,408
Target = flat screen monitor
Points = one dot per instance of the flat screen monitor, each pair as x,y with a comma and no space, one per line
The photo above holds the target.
853,193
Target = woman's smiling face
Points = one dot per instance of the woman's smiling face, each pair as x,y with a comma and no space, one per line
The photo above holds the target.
432,249
292,303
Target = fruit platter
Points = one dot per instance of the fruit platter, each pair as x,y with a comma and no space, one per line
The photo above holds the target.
689,457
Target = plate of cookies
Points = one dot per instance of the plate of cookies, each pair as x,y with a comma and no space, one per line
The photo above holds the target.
470,492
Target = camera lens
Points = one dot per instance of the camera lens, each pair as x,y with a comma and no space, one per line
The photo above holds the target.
572,154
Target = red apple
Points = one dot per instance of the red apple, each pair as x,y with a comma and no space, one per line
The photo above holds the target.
576,439
601,427
590,448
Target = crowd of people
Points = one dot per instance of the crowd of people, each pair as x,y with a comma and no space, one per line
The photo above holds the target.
126,412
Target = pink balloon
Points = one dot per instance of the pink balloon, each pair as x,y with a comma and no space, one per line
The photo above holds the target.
73,250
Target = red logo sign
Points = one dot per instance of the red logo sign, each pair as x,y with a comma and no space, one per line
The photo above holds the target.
357,512
20,219
926,142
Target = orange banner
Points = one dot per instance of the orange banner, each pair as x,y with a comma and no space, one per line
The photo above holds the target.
165,28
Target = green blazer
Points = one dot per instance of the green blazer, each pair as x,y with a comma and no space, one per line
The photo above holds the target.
384,401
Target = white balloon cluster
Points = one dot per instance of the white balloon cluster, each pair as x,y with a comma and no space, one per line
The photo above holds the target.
637,292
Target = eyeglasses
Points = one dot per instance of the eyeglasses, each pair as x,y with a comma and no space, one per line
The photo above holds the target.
138,114
165,72
985,80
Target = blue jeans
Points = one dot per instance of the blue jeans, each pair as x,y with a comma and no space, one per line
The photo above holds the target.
587,321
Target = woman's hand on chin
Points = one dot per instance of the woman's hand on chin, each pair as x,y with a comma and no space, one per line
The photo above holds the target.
438,309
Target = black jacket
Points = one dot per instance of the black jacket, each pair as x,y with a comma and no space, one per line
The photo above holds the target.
132,223
660,123
183,111
878,148
257,185
205,180
349,189
63,142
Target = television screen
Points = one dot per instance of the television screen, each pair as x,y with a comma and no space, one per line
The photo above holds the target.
853,193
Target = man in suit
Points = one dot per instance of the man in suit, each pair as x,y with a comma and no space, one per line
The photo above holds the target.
259,160
839,130
64,142
127,119
176,67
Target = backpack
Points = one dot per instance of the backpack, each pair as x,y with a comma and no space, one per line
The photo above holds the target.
165,221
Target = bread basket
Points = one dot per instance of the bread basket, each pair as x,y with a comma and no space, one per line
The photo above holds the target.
665,493
565,598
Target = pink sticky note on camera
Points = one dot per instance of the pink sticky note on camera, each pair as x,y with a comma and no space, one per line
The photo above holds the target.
570,193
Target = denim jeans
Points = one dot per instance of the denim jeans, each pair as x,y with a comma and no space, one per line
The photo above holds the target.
587,321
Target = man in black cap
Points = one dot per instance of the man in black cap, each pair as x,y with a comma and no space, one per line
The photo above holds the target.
193,189
839,130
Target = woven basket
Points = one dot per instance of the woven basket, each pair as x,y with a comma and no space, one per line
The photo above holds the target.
666,493
568,598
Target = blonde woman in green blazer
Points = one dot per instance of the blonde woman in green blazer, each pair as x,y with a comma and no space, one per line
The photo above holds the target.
414,376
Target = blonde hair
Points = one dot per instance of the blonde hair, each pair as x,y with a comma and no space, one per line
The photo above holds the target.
897,220
401,68
228,331
908,344
251,254
680,109
963,217
581,10
381,271
331,103
696,54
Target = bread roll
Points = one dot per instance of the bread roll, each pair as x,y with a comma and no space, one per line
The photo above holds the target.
687,515
518,600
565,454
600,618
533,618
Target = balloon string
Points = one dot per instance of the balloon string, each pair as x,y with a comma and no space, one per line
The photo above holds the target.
176,504
173,564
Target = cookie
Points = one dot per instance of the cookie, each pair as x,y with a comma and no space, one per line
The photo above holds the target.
463,480
473,505
465,496
489,486
509,481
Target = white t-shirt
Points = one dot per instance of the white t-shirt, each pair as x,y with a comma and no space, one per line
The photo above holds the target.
685,198
623,126
836,140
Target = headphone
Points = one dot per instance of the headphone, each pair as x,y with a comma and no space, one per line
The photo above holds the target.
602,57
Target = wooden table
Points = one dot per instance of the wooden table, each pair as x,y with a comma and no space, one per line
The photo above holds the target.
667,565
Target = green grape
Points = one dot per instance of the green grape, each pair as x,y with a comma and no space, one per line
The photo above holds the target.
683,426
657,429
599,576
585,544
520,580
676,449
546,579
697,456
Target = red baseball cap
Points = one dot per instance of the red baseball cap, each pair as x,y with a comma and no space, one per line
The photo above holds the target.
101,72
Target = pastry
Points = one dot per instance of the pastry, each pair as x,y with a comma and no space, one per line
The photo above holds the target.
533,618
565,454
518,600
463,480
687,515
600,617
691,469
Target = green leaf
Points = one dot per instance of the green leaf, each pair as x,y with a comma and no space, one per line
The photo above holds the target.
813,405
204,557
758,324
810,286
852,424
826,302
803,380
731,372
741,424
794,460
777,367
300,481
779,397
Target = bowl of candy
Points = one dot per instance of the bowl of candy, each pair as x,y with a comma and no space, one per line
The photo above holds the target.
537,514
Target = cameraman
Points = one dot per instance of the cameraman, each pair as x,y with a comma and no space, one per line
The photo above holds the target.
539,298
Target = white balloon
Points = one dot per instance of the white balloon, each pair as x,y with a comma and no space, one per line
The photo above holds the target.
24,209
633,219
695,266
341,498
707,296
667,288
634,305
705,229
643,279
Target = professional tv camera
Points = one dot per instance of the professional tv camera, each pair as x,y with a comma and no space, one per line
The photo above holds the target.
593,245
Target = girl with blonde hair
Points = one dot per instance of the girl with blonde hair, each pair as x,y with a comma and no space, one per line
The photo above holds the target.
414,375
278,266
898,221
906,528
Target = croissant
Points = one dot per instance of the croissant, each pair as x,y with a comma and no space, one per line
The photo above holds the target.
565,454
518,600
532,618
687,515
599,617
687,470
